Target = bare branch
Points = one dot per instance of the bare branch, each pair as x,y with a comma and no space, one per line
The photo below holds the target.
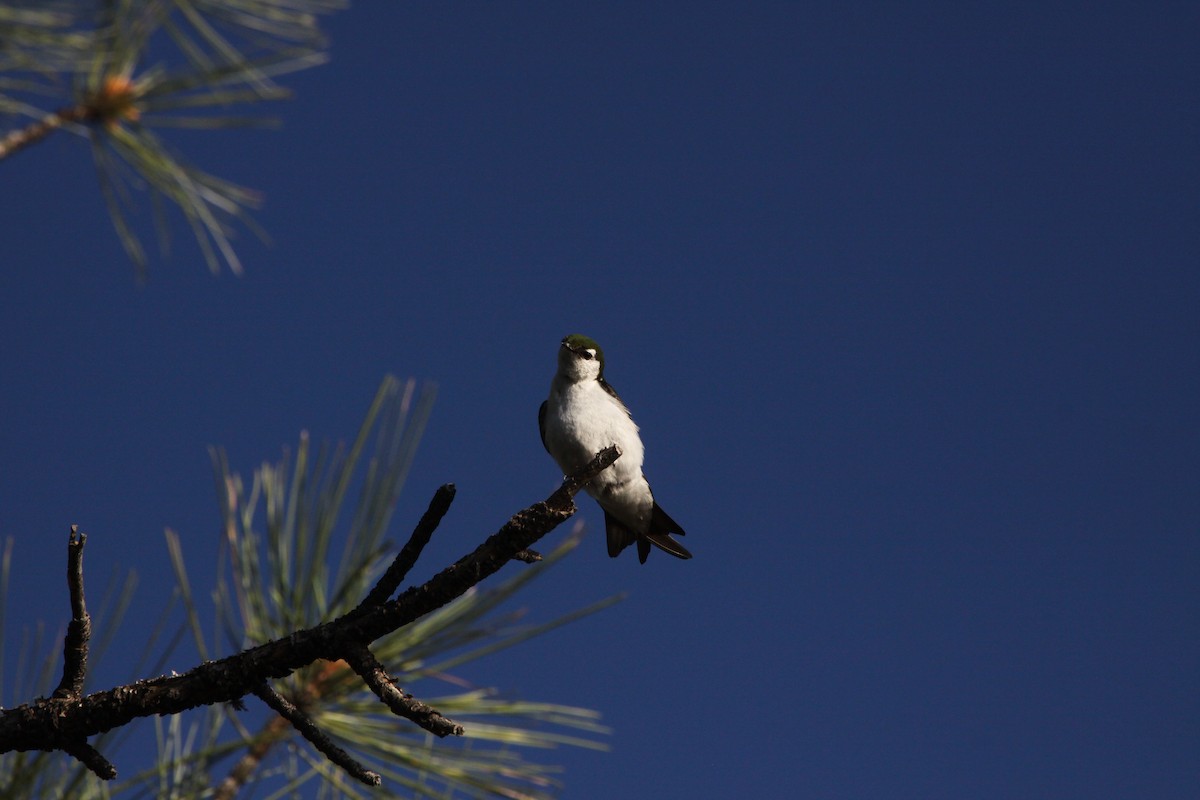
87,755
411,551
64,723
402,704
309,730
79,630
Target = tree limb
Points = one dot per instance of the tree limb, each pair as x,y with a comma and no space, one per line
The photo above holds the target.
65,722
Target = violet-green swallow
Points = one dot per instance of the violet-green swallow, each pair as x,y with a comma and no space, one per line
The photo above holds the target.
584,415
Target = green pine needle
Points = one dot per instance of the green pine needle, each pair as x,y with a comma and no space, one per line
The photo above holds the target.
65,66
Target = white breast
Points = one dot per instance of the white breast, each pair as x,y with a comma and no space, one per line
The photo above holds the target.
581,420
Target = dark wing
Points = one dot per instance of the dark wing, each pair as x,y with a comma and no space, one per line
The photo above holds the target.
619,535
606,386
542,424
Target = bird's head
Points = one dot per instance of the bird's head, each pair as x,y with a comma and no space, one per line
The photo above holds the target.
580,358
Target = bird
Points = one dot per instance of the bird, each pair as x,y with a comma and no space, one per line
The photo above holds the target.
582,416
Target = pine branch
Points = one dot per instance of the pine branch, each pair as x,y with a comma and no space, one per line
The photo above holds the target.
207,57
17,140
65,723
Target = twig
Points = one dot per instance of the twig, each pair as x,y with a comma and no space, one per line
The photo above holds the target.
274,731
79,629
90,757
363,661
408,555
308,729
21,138
75,653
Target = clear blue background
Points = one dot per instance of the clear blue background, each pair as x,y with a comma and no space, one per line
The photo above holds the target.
904,297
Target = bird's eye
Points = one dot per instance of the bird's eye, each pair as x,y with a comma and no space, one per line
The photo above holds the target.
589,354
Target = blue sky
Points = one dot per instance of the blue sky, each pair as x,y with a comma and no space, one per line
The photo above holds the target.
904,299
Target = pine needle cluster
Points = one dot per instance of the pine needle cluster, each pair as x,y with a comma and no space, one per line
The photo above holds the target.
119,72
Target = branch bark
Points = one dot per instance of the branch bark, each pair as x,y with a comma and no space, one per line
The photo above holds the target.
65,722
367,666
79,630
408,555
308,729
